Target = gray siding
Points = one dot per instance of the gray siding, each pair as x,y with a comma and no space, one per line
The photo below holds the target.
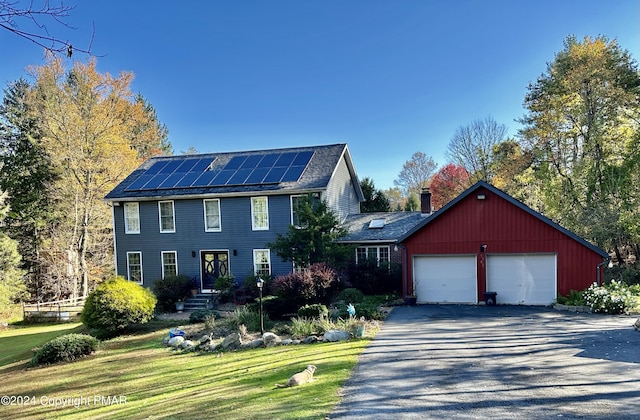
341,195
190,236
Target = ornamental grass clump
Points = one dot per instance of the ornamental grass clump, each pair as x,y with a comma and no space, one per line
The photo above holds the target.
612,298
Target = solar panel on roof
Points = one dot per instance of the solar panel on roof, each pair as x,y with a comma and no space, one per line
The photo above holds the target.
139,183
293,174
257,176
155,168
250,169
303,158
222,177
268,160
274,175
239,177
251,162
171,180
235,162
170,167
285,159
188,179
186,165
204,179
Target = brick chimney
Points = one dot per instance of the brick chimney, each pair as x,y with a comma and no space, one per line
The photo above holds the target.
425,201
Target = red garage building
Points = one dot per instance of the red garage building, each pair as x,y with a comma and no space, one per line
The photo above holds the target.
487,241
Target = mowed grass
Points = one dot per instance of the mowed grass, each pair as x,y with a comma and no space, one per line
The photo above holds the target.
159,383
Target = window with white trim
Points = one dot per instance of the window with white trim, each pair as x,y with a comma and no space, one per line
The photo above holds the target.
169,263
212,215
167,217
377,253
259,213
134,266
262,262
295,217
131,218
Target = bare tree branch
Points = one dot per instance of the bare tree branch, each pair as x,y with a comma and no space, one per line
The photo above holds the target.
14,15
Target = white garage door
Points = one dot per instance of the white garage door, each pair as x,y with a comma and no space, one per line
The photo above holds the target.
450,279
524,279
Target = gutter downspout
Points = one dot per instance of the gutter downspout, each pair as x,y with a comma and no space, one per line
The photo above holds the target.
404,269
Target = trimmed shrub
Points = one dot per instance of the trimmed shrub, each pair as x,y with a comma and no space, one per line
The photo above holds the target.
116,304
171,289
315,310
65,348
350,295
612,298
276,307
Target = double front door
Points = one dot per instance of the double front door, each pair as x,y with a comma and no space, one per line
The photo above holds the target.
213,264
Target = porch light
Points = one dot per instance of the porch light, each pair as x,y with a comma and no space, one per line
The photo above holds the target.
481,196
260,285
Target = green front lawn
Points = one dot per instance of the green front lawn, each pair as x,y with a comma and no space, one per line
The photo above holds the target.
159,383
17,341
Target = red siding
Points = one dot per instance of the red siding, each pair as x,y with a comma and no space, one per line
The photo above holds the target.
505,229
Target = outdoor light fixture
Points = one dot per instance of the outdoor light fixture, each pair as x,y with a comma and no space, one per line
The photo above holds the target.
260,284
481,196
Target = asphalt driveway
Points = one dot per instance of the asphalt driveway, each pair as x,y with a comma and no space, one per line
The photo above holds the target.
502,362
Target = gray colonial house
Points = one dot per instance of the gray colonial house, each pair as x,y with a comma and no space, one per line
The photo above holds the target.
212,215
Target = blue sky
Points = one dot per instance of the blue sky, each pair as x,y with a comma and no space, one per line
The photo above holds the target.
387,77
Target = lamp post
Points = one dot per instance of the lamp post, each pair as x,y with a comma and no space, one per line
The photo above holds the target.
260,284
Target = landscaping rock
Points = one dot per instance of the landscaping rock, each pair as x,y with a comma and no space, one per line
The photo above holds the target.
335,335
286,342
270,339
310,339
209,347
636,325
188,345
205,339
165,340
295,341
232,341
175,342
258,342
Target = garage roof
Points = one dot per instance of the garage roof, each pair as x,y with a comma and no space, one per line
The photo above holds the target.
507,197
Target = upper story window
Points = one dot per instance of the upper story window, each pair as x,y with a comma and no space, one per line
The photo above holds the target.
259,213
169,263
262,262
131,218
295,215
134,266
167,217
212,215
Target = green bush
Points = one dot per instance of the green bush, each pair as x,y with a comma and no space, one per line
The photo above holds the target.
171,289
302,327
372,277
276,307
350,295
65,348
199,315
116,304
574,298
611,298
315,310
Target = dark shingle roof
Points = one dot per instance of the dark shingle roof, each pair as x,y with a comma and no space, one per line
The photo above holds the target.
396,224
316,175
502,194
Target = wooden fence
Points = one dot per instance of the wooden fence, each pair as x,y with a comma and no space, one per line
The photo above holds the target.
57,310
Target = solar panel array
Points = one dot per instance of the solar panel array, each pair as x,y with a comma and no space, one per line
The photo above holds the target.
251,169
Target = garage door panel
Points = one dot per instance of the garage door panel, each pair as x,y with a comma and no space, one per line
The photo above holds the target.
523,279
445,279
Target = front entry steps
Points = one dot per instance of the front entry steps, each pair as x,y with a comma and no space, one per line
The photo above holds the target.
201,301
